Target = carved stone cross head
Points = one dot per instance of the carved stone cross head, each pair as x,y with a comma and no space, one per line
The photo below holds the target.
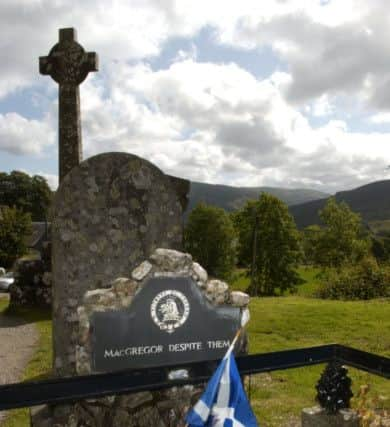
67,62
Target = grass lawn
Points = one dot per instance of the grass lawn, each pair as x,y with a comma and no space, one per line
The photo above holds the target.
40,365
279,323
309,275
291,322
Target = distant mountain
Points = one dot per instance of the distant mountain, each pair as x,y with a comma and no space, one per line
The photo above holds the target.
231,198
372,201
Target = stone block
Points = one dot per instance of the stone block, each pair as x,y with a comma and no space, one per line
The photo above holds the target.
317,417
99,296
200,272
124,285
135,400
140,272
40,416
217,291
239,299
171,260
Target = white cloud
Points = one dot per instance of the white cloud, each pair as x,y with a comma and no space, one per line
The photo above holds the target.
218,123
118,30
380,118
328,48
21,136
191,53
322,107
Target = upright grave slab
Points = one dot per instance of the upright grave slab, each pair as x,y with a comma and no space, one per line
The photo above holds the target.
110,212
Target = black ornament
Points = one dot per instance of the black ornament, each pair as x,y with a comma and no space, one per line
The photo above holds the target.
334,388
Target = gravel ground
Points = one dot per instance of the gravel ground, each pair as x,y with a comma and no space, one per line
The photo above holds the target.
17,343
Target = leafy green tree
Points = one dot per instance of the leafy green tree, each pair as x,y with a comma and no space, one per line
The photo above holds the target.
209,237
310,239
15,227
342,239
30,194
269,245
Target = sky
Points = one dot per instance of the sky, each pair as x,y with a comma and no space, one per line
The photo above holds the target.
286,93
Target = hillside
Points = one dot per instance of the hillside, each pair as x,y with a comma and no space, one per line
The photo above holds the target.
372,201
231,198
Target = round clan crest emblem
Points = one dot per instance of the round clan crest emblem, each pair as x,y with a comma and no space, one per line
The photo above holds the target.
169,310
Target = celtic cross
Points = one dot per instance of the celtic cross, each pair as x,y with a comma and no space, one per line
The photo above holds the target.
68,64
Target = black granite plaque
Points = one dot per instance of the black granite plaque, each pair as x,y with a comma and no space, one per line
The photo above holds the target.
169,322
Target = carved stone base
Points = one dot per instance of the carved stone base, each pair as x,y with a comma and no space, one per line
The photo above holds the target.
317,417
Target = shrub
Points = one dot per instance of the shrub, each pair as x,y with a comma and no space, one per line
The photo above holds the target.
15,226
363,281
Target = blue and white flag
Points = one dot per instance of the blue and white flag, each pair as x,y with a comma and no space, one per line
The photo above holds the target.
224,402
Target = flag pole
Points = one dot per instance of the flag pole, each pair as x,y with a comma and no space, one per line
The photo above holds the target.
234,341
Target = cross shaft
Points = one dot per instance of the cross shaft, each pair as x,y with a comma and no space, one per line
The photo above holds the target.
68,64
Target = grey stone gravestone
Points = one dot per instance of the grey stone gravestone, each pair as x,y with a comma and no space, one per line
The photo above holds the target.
110,212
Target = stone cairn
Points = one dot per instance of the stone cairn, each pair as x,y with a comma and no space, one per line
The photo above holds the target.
165,408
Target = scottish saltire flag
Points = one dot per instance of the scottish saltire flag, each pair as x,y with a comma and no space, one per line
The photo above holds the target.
224,402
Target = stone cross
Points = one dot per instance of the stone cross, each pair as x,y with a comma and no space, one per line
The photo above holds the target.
68,64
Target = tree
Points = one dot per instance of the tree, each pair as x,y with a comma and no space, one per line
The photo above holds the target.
30,194
209,237
310,239
341,240
15,227
268,245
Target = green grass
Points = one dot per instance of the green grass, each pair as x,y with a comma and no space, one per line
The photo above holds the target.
293,322
288,322
311,281
39,366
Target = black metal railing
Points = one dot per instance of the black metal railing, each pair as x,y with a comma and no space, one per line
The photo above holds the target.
62,390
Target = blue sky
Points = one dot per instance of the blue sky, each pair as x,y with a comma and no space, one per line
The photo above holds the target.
296,94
